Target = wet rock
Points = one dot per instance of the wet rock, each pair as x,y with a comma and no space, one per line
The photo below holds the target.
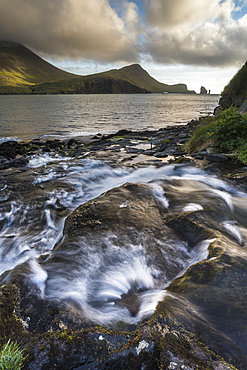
182,135
133,150
159,343
163,146
3,160
216,158
161,154
10,320
189,228
19,162
109,211
149,152
98,136
79,152
211,286
115,148
183,160
9,149
58,338
72,143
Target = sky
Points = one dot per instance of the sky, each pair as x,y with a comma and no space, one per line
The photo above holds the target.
196,42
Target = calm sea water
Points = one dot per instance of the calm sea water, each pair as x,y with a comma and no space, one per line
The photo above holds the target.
79,115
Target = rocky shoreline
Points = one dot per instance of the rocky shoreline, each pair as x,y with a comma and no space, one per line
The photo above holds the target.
129,148
56,337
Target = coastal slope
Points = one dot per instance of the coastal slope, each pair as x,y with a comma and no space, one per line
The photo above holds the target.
235,92
20,68
24,72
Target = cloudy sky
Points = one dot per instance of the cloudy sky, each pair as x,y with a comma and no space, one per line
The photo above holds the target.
197,42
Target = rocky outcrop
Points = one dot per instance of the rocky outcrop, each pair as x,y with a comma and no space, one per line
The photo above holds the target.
203,91
158,344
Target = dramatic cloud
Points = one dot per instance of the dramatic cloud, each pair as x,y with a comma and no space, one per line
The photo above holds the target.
212,44
69,28
195,32
185,32
169,14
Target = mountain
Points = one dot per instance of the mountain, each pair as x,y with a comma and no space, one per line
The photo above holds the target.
235,92
136,75
21,68
24,72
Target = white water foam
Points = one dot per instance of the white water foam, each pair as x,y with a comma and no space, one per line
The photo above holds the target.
98,282
158,192
233,230
192,207
106,285
226,197
36,161
38,276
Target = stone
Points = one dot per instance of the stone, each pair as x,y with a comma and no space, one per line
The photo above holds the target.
182,135
216,158
72,143
133,150
161,154
203,91
163,146
158,343
19,162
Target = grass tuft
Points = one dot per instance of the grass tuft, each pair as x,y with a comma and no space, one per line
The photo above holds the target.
11,357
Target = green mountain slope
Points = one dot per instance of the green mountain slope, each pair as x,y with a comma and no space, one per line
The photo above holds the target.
137,75
23,72
235,92
20,67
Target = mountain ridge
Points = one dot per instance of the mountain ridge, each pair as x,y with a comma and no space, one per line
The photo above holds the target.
24,72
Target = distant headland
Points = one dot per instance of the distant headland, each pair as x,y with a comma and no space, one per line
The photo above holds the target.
24,72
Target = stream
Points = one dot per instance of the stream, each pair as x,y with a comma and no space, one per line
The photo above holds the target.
108,277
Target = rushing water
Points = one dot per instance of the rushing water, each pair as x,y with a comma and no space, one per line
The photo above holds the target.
33,207
120,276
26,117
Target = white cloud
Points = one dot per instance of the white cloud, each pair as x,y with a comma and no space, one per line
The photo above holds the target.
185,32
199,33
169,14
68,28
131,18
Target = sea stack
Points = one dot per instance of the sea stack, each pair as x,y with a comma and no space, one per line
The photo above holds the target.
203,91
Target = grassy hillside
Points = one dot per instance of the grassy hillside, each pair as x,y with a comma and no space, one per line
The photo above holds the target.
236,91
88,85
23,72
136,75
20,67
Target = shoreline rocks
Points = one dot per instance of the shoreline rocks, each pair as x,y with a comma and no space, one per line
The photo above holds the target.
56,337
128,148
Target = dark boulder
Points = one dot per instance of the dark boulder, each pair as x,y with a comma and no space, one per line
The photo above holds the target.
154,345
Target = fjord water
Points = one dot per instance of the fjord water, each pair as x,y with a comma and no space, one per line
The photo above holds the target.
25,117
